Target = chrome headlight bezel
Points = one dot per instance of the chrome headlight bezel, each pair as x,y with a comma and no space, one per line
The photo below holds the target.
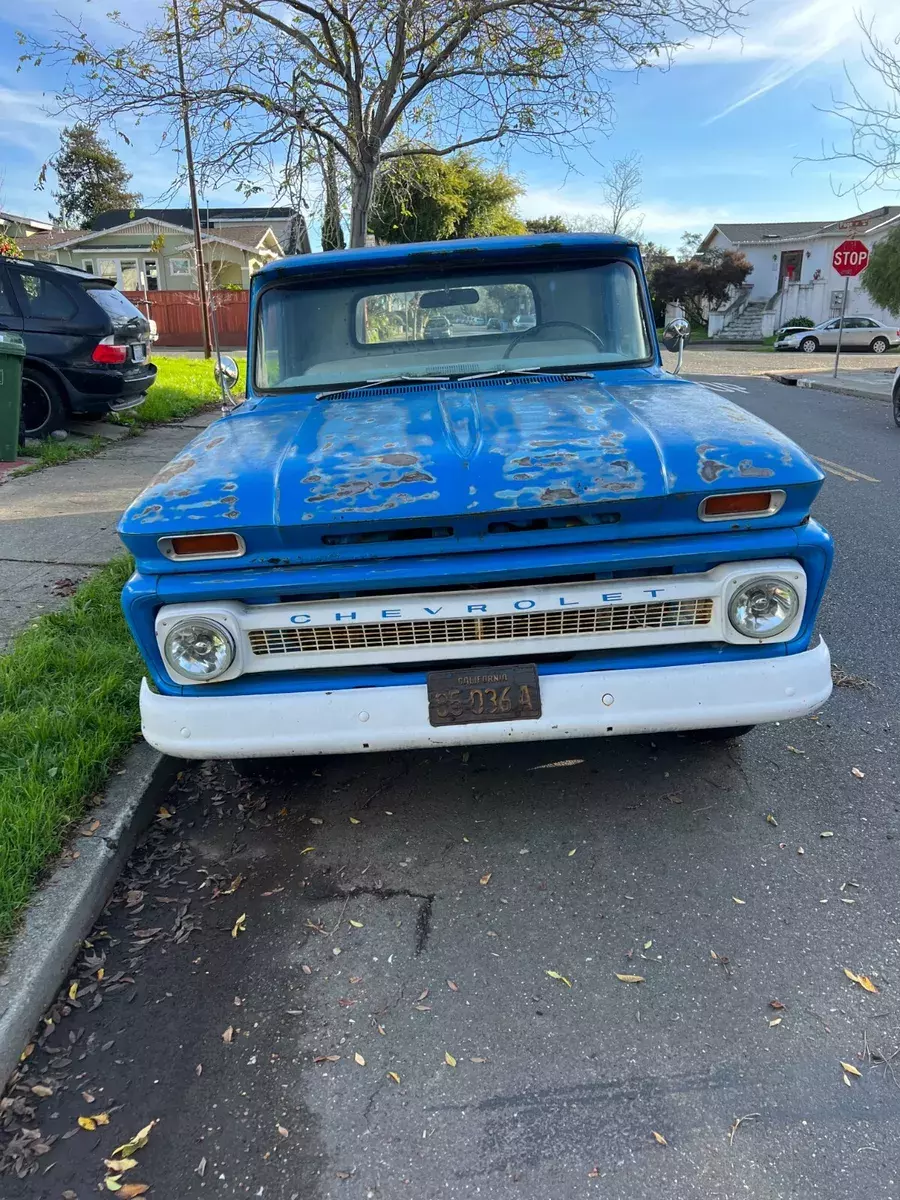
787,596
218,630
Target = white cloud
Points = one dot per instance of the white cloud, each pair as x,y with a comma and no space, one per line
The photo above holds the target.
788,39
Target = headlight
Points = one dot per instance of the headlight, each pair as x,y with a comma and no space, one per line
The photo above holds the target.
199,648
763,608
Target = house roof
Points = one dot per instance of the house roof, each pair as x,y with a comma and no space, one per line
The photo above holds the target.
7,218
239,238
755,232
53,238
209,217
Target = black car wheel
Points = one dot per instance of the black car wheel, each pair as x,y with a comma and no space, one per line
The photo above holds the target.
895,404
879,345
43,407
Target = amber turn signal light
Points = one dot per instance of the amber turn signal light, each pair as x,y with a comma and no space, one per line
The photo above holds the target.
203,545
741,504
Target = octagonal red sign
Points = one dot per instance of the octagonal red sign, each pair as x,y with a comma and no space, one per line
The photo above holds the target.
850,258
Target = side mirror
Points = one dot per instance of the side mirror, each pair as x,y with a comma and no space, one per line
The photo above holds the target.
676,334
226,372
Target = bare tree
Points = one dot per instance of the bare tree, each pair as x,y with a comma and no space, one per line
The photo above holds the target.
622,195
873,120
373,80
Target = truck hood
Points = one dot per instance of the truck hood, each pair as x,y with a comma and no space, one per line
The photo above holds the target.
421,451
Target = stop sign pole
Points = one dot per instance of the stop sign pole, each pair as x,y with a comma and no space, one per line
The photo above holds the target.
850,258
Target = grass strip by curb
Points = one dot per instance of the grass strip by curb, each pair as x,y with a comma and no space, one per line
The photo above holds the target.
68,710
183,387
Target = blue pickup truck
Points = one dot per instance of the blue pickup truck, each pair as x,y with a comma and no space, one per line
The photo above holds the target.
462,503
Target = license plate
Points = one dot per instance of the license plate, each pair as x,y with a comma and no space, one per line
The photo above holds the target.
138,352
479,695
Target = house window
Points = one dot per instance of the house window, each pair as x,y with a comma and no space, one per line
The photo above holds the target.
88,265
128,275
151,274
179,266
108,268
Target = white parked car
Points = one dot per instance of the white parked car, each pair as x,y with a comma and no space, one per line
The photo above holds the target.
859,333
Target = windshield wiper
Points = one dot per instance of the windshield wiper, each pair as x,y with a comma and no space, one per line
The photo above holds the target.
388,381
522,371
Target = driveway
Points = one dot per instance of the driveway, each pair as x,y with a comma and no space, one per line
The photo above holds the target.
407,975
716,360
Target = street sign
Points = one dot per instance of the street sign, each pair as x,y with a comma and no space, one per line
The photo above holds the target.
850,258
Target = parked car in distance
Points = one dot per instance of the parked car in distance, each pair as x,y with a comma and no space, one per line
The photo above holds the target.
87,348
525,321
437,327
895,396
544,535
860,333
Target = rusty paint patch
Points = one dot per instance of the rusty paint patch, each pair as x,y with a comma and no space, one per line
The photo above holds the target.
711,469
175,468
213,442
750,470
398,460
229,487
559,495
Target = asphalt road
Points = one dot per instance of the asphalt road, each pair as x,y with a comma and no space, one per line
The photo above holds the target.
404,908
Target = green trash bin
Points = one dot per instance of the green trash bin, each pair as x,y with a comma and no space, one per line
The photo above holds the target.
12,351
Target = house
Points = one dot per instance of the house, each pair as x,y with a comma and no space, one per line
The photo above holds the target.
22,227
792,274
152,249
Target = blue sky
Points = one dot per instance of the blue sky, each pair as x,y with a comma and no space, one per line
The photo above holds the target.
720,133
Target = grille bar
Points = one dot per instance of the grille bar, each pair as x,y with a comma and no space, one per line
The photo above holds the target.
380,635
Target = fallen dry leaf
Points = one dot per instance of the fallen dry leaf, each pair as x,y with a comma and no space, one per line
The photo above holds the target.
357,924
423,995
630,978
735,899
41,1089
129,1190
163,813
826,833
233,886
307,849
851,1070
794,750
561,978
770,820
240,925
847,1080
282,1132
354,821
117,1165
101,1118
775,1004
358,1059
659,1137
857,772
454,987
594,1173
647,945
449,1059
320,1058
478,1060
393,1075
138,1142
73,990
112,1183
775,1021
571,852
356,978
485,879
87,1123
863,980
228,1035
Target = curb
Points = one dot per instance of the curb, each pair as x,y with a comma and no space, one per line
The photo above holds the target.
66,906
841,389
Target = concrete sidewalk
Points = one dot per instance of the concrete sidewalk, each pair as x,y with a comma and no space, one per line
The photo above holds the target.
59,524
868,385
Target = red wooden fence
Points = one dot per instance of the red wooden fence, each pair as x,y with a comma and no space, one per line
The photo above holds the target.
177,317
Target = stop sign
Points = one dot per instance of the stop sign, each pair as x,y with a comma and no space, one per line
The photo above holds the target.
850,258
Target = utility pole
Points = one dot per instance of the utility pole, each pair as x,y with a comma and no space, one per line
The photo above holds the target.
192,187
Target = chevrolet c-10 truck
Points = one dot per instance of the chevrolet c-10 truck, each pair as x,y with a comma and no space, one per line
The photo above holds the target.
462,502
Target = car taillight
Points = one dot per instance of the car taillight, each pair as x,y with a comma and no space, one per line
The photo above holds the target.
741,504
106,351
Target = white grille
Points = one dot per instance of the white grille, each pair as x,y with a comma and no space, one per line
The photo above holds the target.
380,635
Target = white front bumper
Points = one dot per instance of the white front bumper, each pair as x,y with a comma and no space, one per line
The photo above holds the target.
586,704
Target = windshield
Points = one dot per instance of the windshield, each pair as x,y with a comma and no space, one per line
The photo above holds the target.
450,324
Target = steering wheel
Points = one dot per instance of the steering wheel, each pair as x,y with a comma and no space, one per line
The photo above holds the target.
551,325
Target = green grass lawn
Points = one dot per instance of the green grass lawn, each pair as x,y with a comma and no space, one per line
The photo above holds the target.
68,711
183,386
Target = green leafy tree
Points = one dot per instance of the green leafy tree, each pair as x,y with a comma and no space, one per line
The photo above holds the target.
881,278
429,198
91,178
552,224
375,80
699,281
